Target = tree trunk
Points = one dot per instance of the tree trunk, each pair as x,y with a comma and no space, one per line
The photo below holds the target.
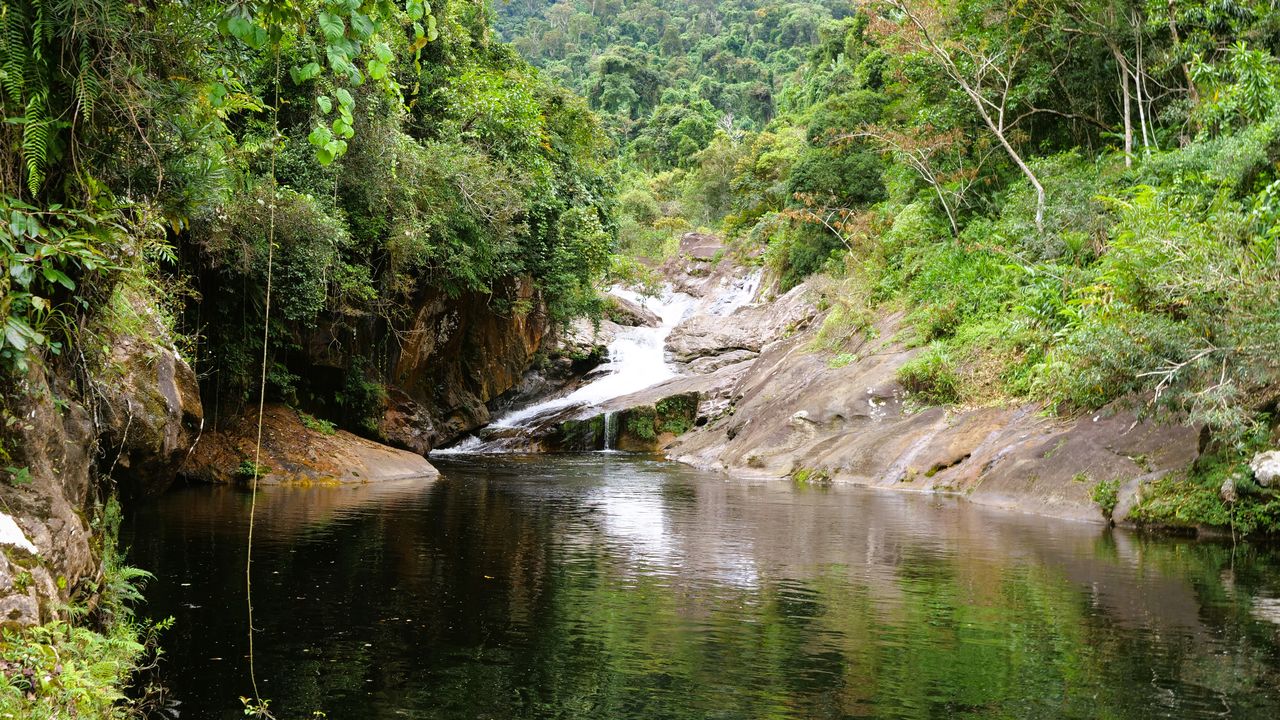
1123,67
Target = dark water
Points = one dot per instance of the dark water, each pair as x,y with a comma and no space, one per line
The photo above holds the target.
606,587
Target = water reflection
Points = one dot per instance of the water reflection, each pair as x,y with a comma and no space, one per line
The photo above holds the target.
608,587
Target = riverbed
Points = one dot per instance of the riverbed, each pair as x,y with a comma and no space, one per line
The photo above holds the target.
614,587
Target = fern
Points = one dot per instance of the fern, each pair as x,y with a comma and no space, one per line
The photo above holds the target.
86,84
13,54
35,142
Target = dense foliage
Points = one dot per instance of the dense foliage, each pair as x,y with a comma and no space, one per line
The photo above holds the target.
1074,202
371,151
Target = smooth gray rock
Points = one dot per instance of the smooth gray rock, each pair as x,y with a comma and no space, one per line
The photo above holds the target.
1266,468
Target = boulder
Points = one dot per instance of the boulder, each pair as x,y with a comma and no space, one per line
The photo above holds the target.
744,333
149,413
1266,468
405,424
630,314
293,453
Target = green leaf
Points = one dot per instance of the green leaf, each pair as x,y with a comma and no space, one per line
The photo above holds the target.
377,70
307,72
344,98
331,26
257,39
383,53
326,105
343,128
362,26
21,273
320,136
240,28
15,333
56,275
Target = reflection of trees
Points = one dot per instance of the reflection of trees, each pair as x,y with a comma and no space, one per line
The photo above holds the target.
505,591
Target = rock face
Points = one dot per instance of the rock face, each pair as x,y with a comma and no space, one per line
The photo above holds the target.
54,443
638,427
793,414
706,343
293,453
150,413
629,314
458,355
565,362
137,419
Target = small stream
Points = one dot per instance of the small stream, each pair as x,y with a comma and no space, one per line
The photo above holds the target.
606,586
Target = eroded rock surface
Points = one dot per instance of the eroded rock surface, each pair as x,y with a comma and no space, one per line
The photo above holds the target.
54,443
293,453
792,413
624,312
705,343
462,353
149,410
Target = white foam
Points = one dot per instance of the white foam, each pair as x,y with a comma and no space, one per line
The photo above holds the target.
637,360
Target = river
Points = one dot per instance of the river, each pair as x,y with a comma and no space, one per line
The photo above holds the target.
605,586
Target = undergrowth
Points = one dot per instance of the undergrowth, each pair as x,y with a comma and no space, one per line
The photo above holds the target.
78,666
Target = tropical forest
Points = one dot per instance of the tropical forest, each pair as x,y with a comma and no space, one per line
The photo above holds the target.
639,359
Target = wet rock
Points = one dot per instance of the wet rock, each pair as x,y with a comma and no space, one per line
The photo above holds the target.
630,314
149,413
650,428
461,353
1266,468
575,436
293,453
569,359
405,424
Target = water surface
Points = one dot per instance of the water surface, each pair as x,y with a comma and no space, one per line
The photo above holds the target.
603,586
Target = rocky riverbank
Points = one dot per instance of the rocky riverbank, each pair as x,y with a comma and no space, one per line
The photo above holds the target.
754,394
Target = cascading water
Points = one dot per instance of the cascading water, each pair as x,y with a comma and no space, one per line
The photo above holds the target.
637,358
609,431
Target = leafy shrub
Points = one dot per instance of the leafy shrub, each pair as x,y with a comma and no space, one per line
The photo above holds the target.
311,422
1106,493
931,376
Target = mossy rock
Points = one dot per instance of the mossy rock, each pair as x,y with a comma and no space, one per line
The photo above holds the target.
650,428
578,435
677,414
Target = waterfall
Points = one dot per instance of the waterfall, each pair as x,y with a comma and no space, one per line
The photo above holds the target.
637,360
610,433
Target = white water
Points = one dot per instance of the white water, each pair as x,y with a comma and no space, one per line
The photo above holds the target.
637,360
637,355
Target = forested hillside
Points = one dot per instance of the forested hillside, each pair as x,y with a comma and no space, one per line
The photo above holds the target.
174,173
381,216
1074,203
385,149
